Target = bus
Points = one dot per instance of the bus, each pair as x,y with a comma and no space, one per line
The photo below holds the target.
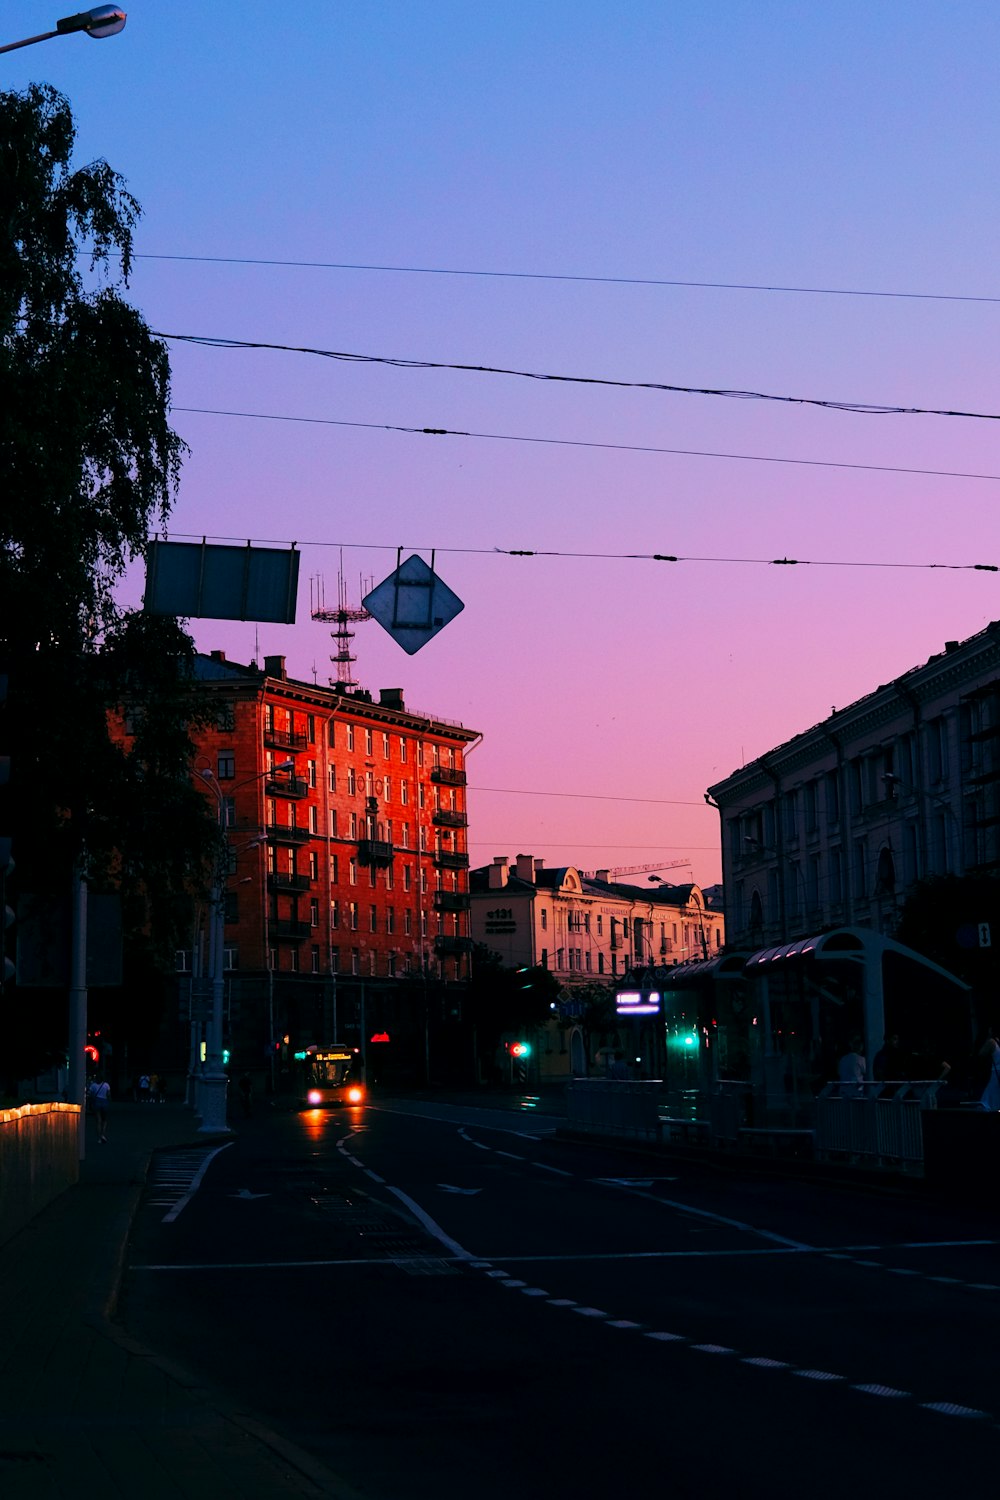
329,1073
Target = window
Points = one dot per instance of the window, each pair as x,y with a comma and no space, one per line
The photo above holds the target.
391,962
402,749
352,916
421,795
423,882
407,921
311,728
331,733
390,879
352,872
352,782
334,870
225,766
385,747
390,919
311,769
314,959
423,923
294,960
314,912
420,752
600,925
225,718
313,818
406,836
545,920
334,960
371,875
373,918
422,839
588,958
407,876
333,778
368,742
352,826
229,812
355,961
350,744
832,797
333,822
387,789
334,914
404,793
600,963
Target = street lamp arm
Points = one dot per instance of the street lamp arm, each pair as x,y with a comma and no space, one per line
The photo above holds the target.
102,21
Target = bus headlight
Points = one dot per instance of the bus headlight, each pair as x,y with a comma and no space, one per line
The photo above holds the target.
355,1095
314,1096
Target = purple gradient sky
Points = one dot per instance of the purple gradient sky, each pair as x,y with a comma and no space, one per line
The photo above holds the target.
850,146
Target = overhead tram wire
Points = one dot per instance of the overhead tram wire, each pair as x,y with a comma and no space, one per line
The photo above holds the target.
659,557
509,437
212,341
557,276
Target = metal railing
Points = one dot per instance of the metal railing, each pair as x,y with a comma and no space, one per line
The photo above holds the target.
613,1106
878,1126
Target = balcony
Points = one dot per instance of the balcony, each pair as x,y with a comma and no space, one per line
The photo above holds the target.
376,852
284,739
446,817
447,776
446,860
277,881
285,931
286,786
284,833
451,901
444,944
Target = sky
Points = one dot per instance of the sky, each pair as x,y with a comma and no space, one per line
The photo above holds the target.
779,198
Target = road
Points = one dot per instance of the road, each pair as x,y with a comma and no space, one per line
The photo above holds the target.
445,1300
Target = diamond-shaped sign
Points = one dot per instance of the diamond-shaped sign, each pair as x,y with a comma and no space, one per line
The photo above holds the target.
412,604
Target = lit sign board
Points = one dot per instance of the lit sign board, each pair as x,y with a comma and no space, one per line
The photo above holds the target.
637,1002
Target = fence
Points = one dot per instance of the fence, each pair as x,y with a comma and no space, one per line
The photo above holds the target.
879,1127
39,1159
612,1106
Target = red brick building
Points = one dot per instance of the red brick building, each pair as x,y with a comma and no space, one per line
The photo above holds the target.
347,905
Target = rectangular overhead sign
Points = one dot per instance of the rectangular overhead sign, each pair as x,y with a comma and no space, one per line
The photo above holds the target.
637,1002
204,581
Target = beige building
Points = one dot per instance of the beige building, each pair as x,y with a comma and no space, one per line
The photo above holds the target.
834,827
587,928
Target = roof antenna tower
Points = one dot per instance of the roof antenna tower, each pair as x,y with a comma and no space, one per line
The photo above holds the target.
341,618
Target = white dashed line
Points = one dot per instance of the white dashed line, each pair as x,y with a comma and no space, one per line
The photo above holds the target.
713,1349
949,1409
543,1166
623,1323
373,1175
881,1390
511,1282
561,1302
533,1291
764,1364
816,1375
497,1274
666,1338
510,1154
590,1312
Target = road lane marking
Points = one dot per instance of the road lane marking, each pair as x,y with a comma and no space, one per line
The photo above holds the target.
196,1183
949,1409
882,1390
760,1363
432,1227
713,1349
542,1166
667,1338
816,1375
623,1323
590,1312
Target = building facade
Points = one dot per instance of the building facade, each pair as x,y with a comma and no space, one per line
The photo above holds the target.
834,827
346,891
587,929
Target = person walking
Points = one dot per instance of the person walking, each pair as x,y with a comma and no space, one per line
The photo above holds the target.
991,1093
99,1093
851,1071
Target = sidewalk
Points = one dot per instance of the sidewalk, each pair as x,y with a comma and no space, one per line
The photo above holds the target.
87,1413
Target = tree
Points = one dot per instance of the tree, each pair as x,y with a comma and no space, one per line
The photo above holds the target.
88,467
507,1000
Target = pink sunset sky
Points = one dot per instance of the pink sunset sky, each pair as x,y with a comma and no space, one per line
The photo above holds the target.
610,182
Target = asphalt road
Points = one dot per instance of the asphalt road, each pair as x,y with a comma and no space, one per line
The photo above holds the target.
443,1300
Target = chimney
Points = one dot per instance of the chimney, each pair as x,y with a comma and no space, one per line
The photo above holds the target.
390,697
274,666
604,875
524,868
498,873
952,645
217,655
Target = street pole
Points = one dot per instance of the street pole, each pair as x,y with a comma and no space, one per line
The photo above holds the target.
214,1083
77,1080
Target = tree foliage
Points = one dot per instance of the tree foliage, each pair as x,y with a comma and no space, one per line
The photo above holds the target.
89,466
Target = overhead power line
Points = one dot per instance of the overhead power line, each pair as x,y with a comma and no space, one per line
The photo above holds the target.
723,286
520,791
207,341
660,557
509,437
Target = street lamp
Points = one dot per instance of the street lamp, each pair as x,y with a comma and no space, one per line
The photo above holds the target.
101,21
214,1083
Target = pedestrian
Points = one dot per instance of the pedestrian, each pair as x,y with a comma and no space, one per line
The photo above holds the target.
246,1093
851,1071
99,1093
991,1093
888,1062
144,1088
